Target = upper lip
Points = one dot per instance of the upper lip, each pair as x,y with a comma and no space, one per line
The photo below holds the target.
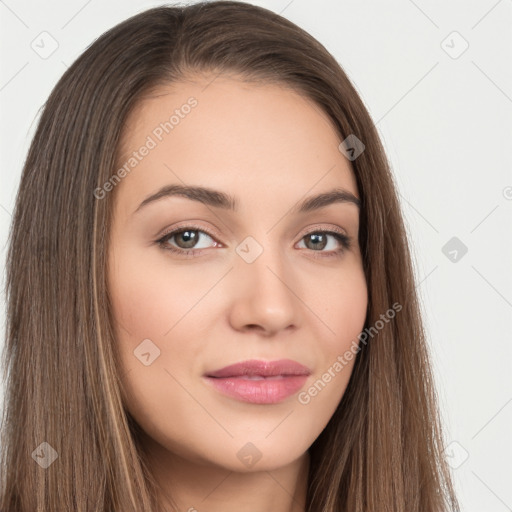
255,367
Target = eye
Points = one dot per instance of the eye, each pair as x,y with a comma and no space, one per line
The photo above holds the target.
187,238
318,240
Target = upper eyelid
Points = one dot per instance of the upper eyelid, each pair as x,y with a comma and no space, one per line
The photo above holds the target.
186,227
192,227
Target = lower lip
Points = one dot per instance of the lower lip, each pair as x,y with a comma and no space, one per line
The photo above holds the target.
269,390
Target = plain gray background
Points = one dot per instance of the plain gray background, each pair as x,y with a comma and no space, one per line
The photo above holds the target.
437,80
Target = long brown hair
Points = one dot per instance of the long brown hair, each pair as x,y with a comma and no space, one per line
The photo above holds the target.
382,449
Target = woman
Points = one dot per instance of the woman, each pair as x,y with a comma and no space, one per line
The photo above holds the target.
278,364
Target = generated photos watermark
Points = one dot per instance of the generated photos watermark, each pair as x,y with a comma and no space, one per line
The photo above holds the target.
343,360
152,141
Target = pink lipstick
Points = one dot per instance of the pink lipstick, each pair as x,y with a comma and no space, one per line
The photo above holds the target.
260,382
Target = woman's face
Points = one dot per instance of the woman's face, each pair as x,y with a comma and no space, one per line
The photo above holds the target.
265,279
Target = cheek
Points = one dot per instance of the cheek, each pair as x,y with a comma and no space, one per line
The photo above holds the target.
150,305
350,313
147,299
162,309
343,304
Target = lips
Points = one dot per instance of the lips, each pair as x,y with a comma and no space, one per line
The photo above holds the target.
255,368
259,382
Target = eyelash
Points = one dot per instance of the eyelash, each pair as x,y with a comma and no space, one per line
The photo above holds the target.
344,240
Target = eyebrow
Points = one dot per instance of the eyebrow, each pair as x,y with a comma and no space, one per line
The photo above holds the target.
218,199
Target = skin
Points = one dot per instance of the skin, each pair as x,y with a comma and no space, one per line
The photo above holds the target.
270,148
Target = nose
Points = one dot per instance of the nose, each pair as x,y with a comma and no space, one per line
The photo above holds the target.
265,295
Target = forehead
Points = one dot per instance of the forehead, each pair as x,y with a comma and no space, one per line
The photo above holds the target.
222,132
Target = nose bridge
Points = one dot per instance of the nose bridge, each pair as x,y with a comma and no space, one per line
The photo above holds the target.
264,296
262,262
